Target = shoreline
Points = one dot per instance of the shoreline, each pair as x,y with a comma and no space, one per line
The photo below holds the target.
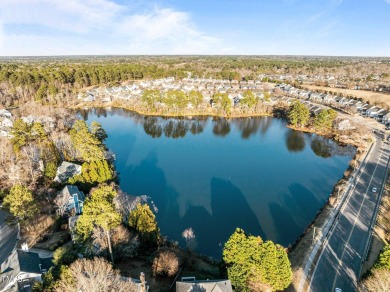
173,115
360,150
300,249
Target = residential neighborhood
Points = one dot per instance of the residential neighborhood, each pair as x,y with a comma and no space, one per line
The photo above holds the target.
20,267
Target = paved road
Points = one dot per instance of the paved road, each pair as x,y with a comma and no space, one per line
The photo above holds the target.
340,261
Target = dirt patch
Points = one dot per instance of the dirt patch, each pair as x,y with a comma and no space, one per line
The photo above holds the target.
53,240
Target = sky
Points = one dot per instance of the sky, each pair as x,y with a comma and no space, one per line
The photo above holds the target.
195,27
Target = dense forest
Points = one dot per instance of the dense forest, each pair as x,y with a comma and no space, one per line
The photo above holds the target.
54,80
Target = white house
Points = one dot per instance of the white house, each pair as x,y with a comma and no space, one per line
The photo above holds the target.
373,111
5,113
6,122
28,120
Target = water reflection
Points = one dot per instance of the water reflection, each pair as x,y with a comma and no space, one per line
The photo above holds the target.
248,127
152,127
295,141
216,185
179,127
221,127
326,148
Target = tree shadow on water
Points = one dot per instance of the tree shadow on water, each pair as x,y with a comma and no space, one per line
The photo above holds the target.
287,228
229,211
147,178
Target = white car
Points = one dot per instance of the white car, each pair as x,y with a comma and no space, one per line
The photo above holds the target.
338,290
374,189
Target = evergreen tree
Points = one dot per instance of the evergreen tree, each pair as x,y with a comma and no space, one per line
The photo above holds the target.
94,172
21,203
298,114
98,131
143,220
250,260
249,99
324,120
87,144
383,261
21,133
99,210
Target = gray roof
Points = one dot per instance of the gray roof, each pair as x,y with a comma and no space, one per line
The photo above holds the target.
24,264
67,193
66,170
29,262
8,236
204,286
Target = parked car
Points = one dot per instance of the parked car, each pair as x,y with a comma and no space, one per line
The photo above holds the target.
374,189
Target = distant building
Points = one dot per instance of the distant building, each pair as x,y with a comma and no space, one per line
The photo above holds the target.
5,122
5,113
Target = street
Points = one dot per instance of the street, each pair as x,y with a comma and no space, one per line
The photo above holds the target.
339,264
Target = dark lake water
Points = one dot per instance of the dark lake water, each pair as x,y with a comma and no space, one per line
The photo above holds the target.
214,175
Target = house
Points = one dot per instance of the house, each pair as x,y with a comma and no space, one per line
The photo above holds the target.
5,113
70,200
6,122
328,98
205,286
28,120
374,111
20,268
315,110
379,117
356,103
386,118
337,99
106,99
67,170
89,98
363,109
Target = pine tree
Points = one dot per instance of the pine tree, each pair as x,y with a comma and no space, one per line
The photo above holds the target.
250,261
21,133
298,114
143,220
87,144
99,210
249,99
21,203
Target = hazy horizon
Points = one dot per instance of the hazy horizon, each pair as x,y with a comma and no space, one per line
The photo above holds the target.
333,28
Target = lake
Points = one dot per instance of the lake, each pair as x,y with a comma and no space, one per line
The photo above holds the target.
214,175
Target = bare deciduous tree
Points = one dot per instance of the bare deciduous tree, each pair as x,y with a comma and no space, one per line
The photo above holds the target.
124,243
379,281
166,263
94,276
